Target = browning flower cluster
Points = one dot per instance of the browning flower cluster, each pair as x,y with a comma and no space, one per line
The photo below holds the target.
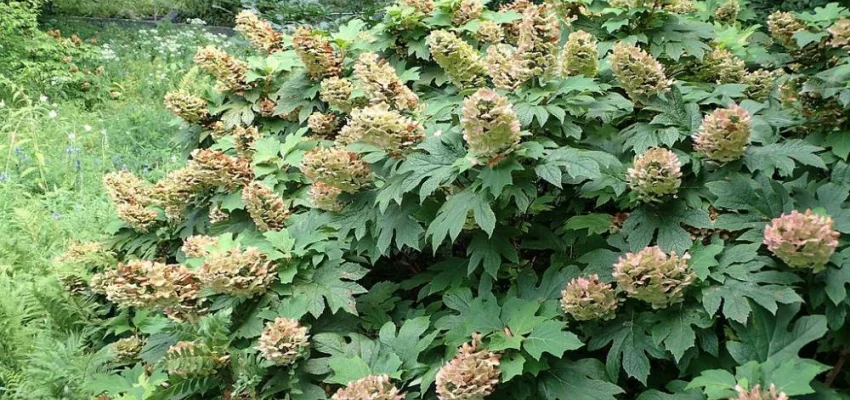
782,27
490,32
728,12
197,246
724,134
132,199
466,10
236,272
472,374
724,67
380,83
490,125
259,32
654,277
802,240
187,106
244,139
284,341
230,72
655,174
587,299
325,197
336,91
323,124
372,387
316,53
539,34
266,208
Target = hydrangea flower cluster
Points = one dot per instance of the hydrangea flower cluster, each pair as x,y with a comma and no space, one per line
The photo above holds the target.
336,167
638,72
423,6
244,139
490,32
580,55
459,59
587,299
512,28
466,10
724,67
506,67
90,254
132,199
728,12
655,174
381,84
266,208
760,83
187,106
381,127
680,7
325,197
472,374
244,273
337,91
259,32
192,360
802,240
490,125
782,27
539,35
316,53
283,341
840,33
757,394
128,349
230,72
197,246
372,387
724,134
145,284
652,276
323,124
217,169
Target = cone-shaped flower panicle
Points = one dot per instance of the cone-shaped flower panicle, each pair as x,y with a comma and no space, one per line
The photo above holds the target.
236,272
472,375
490,32
490,125
724,134
145,284
587,299
259,32
506,67
680,7
637,71
372,387
760,83
325,197
539,34
728,12
265,207
782,27
87,254
381,127
580,55
460,61
197,246
336,167
131,197
839,33
323,124
229,71
284,341
756,393
381,84
337,92
187,106
128,349
244,139
802,240
316,53
466,10
655,174
192,360
654,277
214,168
724,67
512,28
423,6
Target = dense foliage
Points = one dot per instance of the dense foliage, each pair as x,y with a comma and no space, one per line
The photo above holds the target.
573,200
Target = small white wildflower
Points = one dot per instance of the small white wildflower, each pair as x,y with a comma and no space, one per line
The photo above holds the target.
2,103
72,137
52,114
438,133
43,98
87,128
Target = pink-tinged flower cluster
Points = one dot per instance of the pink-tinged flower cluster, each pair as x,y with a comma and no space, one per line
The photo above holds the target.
655,174
259,32
230,72
637,71
266,208
587,299
316,53
472,374
724,134
840,33
323,125
337,91
467,10
506,67
652,276
802,240
187,106
423,6
132,199
236,272
284,341
757,394
539,35
372,387
198,246
490,32
490,124
325,197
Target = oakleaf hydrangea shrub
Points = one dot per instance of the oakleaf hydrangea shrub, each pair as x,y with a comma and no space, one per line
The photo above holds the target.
567,200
